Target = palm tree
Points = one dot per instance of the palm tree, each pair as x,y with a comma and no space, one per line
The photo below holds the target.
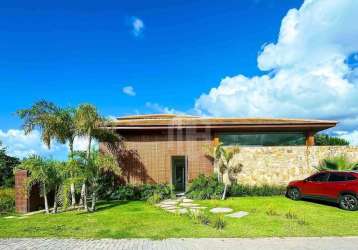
227,167
41,115
67,132
39,174
89,123
100,163
56,176
54,123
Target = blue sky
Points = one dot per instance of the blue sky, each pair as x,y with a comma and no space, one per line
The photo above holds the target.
221,58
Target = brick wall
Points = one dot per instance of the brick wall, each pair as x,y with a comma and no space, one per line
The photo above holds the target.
150,161
21,195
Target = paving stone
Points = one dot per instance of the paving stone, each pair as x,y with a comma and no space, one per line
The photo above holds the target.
165,206
182,210
218,210
294,243
187,200
188,205
238,214
169,202
170,208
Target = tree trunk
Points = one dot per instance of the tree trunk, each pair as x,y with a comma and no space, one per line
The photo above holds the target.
72,188
224,194
89,145
55,202
73,197
45,198
85,198
83,190
93,206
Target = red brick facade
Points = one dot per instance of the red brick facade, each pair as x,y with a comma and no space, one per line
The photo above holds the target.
150,161
21,194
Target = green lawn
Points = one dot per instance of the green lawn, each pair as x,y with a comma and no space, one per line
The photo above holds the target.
268,217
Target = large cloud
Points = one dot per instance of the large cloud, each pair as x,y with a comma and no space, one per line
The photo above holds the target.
20,145
308,72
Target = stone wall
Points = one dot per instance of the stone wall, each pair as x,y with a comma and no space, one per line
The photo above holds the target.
279,165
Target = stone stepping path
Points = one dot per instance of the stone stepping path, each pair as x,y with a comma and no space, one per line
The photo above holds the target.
239,214
218,210
183,205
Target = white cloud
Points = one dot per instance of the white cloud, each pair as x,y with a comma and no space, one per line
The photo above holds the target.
129,90
20,145
308,73
352,137
137,26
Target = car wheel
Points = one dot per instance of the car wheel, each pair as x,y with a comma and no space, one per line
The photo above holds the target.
294,194
348,202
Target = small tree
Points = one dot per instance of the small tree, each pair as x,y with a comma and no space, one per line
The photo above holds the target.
226,168
7,166
94,167
39,171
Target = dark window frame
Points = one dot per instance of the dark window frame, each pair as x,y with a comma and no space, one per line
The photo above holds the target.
300,141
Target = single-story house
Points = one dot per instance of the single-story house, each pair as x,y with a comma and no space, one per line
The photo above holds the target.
168,148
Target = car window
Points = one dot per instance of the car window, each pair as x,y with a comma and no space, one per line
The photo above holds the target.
319,177
337,177
350,177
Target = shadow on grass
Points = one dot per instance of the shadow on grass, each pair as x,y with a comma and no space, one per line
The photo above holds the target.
104,205
322,202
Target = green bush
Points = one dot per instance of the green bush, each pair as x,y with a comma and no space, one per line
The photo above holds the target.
326,140
264,190
154,199
204,187
142,192
7,200
340,163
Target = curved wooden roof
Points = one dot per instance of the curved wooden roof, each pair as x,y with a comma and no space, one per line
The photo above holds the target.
167,121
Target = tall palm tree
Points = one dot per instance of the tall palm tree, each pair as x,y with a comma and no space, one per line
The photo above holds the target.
89,123
67,132
42,116
54,123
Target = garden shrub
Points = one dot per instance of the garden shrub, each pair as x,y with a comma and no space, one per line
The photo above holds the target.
219,222
208,187
154,199
264,190
142,192
7,200
204,187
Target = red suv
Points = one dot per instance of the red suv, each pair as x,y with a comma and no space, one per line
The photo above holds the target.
337,186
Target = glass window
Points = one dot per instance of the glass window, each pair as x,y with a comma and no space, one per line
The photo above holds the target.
337,177
263,139
350,177
319,177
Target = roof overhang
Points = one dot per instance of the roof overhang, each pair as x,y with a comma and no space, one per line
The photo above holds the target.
169,122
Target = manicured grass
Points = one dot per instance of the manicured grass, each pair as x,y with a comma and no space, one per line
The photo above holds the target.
269,216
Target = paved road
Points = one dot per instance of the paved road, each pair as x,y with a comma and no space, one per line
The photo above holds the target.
326,243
